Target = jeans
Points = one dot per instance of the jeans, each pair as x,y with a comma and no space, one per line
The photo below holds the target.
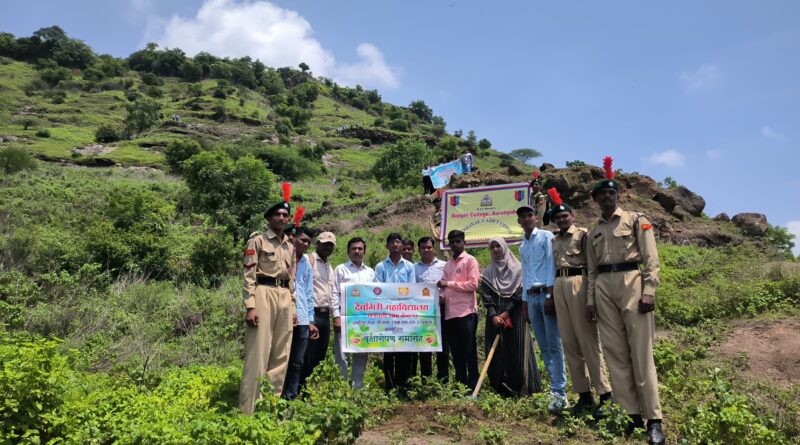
358,360
316,349
463,346
545,328
291,387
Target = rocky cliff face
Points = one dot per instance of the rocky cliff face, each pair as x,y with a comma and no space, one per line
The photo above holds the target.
677,213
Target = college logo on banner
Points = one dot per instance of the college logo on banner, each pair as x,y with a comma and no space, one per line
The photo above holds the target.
519,195
454,200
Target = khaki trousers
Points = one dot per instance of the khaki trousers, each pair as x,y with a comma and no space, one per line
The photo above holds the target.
627,338
579,336
266,346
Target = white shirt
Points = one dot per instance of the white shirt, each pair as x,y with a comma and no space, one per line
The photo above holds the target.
348,273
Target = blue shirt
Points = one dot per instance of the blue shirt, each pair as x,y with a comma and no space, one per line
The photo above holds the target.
304,292
403,272
538,264
429,273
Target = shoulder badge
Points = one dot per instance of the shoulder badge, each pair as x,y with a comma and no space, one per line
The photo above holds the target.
249,252
646,226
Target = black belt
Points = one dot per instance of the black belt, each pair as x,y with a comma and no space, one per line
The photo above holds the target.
272,281
619,267
537,290
322,310
570,271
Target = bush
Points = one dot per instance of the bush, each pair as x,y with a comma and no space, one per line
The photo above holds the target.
366,143
575,164
287,163
56,97
399,125
106,134
13,159
152,80
177,152
44,133
213,258
400,164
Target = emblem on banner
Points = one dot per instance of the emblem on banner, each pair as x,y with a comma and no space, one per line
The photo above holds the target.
402,292
355,293
519,195
486,201
426,292
454,200
377,291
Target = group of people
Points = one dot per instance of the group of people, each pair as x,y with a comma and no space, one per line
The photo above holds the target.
588,296
429,168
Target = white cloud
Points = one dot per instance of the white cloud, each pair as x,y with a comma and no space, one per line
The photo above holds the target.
668,158
769,133
714,153
704,77
276,36
794,227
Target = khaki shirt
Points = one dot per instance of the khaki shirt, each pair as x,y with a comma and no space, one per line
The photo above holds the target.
266,256
539,202
323,281
569,248
623,239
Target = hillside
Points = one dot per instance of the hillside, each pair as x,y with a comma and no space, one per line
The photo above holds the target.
120,287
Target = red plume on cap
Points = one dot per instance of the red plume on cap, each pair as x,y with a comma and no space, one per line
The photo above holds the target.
287,191
298,215
535,174
439,193
555,198
607,161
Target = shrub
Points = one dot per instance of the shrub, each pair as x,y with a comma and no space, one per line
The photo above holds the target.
44,133
575,164
366,143
152,80
56,97
106,134
213,257
177,152
13,159
143,114
399,125
288,163
399,165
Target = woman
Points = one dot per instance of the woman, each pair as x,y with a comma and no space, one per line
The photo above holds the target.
427,182
513,371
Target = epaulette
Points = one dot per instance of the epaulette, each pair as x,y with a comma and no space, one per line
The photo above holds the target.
253,234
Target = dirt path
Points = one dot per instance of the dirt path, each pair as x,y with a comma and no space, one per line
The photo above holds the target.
766,350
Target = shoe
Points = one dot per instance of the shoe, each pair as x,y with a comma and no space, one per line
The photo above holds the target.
655,436
558,403
585,403
635,422
599,412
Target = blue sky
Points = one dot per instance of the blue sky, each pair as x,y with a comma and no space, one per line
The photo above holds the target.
705,92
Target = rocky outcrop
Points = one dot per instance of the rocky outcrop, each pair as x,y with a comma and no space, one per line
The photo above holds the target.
690,202
722,217
752,224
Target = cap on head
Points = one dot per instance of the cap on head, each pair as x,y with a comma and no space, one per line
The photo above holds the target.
525,207
286,189
327,237
558,205
608,182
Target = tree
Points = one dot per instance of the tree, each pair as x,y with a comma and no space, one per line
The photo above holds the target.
525,154
73,53
471,138
484,144
192,71
105,134
422,110
400,164
782,239
177,152
303,67
233,193
143,114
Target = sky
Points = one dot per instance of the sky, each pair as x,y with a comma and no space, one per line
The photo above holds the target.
707,93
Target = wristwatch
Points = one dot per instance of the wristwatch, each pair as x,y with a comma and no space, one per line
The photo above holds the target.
548,296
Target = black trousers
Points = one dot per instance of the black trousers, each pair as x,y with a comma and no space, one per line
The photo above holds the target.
397,369
427,184
443,358
463,345
317,349
291,386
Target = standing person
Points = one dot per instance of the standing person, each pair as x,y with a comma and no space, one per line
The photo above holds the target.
538,277
429,270
623,277
460,281
353,271
466,162
408,250
304,329
513,371
579,337
538,199
427,181
396,269
323,288
268,263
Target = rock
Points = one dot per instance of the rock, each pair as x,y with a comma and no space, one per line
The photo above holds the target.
679,213
666,199
753,224
722,217
689,201
513,170
642,185
546,166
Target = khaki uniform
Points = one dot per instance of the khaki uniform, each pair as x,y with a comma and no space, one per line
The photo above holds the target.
627,335
578,335
266,346
539,202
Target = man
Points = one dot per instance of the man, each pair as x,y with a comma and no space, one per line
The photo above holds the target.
429,270
579,337
460,281
354,271
396,269
323,288
538,199
304,329
408,250
623,276
538,277
268,264
466,162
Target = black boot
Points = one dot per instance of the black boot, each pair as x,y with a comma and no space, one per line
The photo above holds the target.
585,403
599,413
655,436
636,422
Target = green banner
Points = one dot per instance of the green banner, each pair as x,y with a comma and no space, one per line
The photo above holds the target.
484,212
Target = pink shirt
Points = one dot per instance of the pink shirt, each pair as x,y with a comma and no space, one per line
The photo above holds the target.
462,275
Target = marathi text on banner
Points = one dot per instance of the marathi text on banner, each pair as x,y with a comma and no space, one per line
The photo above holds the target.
390,317
483,213
440,176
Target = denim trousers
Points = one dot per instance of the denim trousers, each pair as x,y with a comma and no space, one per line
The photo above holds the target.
358,361
545,328
291,387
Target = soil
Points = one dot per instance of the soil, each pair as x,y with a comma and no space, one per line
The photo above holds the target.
766,350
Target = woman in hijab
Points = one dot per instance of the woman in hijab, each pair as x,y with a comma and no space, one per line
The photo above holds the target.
513,371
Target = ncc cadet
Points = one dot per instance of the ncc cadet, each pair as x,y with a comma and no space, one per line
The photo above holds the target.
268,272
538,199
578,336
623,276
